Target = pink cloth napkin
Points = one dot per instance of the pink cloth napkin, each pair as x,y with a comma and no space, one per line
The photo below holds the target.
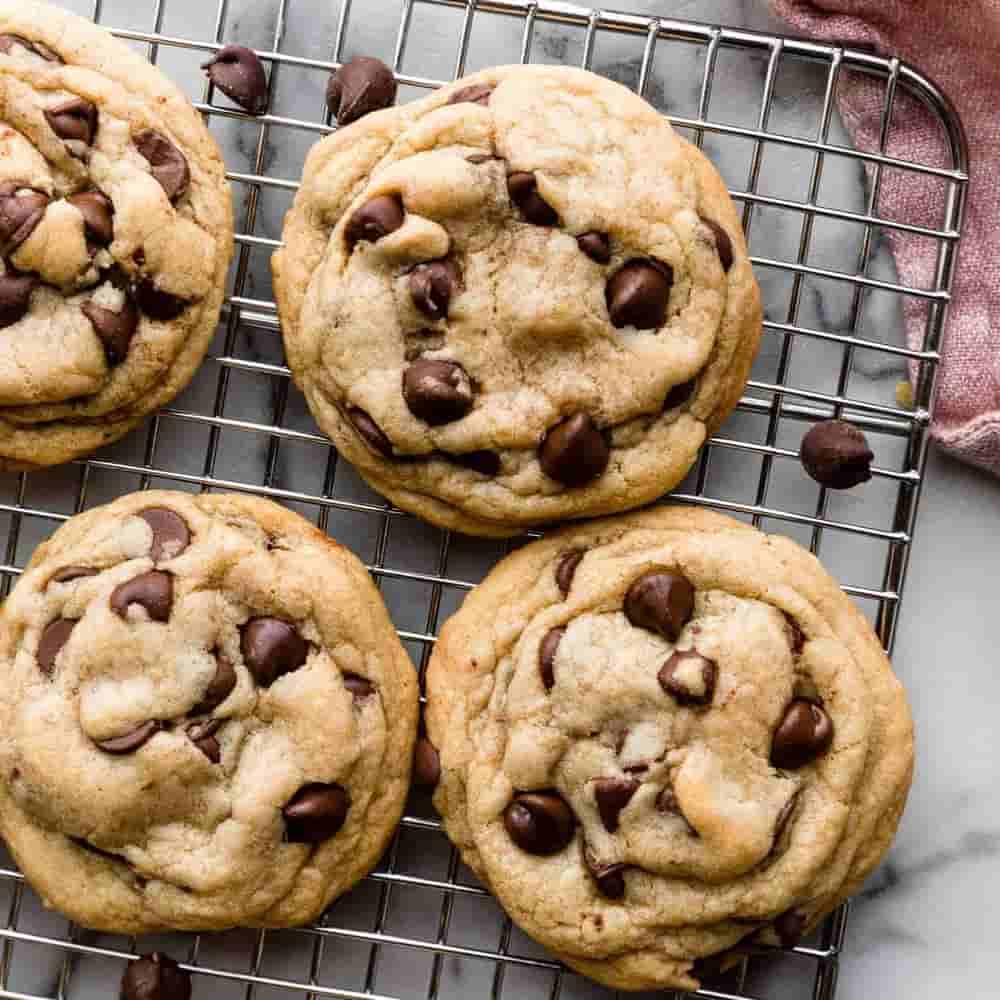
957,44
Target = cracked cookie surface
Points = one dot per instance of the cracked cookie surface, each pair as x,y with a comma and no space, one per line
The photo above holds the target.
519,300
663,735
207,719
115,237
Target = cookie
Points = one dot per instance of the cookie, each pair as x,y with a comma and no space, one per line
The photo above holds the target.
206,719
519,300
663,736
115,237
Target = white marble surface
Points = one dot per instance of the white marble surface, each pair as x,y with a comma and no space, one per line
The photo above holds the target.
925,926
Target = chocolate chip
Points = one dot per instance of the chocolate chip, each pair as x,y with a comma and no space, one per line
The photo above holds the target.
202,735
15,296
547,654
359,687
376,218
132,740
437,392
566,569
359,87
69,573
804,734
723,244
155,977
660,601
73,120
679,395
271,648
115,329
170,532
156,303
432,285
238,73
574,452
486,463
638,294
475,93
219,687
426,764
610,879
97,212
370,431
19,214
153,591
785,815
689,677
316,812
612,796
54,636
8,41
836,454
790,928
597,246
523,190
539,822
167,163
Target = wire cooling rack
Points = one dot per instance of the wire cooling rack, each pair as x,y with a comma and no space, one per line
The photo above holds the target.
764,108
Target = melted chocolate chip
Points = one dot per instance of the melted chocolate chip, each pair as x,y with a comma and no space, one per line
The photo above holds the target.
359,87
98,215
55,635
689,677
70,573
131,741
804,734
238,73
155,977
566,569
638,294
73,120
437,392
316,812
271,648
15,296
723,244
360,687
539,822
153,591
679,395
609,879
836,454
376,218
115,329
475,93
574,452
612,796
661,602
486,463
171,535
167,163
156,303
523,190
432,286
547,654
426,764
202,735
21,209
219,687
370,431
597,246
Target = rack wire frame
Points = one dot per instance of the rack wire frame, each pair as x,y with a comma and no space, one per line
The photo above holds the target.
774,400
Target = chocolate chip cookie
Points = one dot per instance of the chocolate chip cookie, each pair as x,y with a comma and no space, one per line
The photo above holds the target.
206,719
520,300
115,237
663,736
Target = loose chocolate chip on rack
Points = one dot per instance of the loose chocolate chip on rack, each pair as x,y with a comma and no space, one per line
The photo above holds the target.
523,190
219,687
432,286
74,120
610,879
370,431
426,764
612,796
723,244
486,463
271,648
316,812
153,591
476,93
359,87
359,687
21,209
689,677
679,395
804,734
55,635
790,927
437,392
836,454
132,740
566,569
15,296
574,452
547,655
539,822
660,601
376,218
167,163
638,294
155,977
69,573
115,329
171,535
202,735
8,41
238,73
597,246
97,212
156,303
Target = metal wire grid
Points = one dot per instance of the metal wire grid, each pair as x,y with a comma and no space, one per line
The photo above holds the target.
772,401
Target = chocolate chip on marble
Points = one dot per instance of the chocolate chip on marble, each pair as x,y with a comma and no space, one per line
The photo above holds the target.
660,601
271,648
609,879
359,687
15,296
168,165
432,285
155,977
376,218
574,452
679,395
359,87
638,293
523,190
70,573
9,40
547,655
426,764
804,733
73,120
597,246
790,928
486,463
238,73
131,741
316,812
171,535
566,569
612,796
836,454
153,591
115,329
202,735
723,243
437,392
370,431
21,209
539,822
475,93
55,635
156,303
689,677
219,687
